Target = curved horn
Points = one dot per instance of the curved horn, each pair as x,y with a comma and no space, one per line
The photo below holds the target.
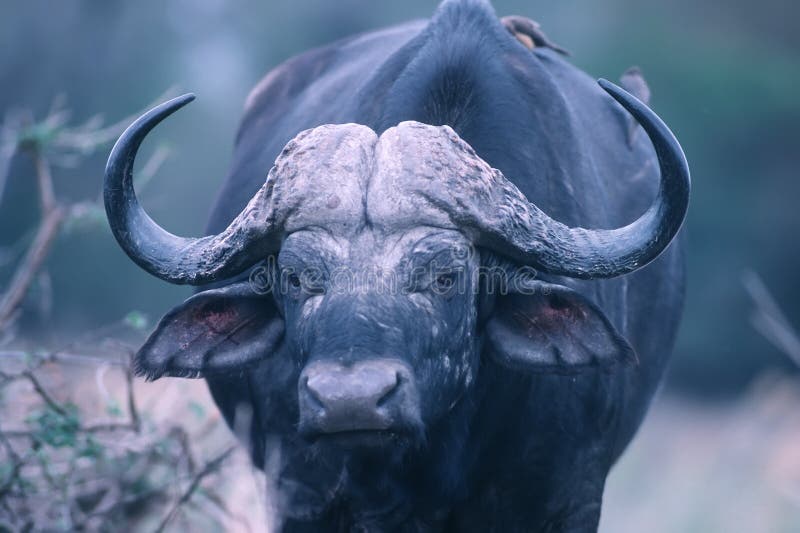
180,260
528,235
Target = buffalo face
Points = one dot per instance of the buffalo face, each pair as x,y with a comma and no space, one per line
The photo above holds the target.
382,326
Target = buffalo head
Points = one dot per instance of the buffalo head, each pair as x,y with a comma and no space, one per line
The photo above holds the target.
383,268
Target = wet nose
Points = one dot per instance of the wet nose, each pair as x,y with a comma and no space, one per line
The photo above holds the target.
364,396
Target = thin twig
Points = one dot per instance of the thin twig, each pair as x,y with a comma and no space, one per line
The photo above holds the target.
768,319
87,137
133,412
47,195
183,440
59,356
44,394
150,168
219,503
100,427
140,496
29,267
107,427
8,148
210,467
15,470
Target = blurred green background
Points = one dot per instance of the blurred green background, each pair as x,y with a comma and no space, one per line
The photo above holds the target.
725,75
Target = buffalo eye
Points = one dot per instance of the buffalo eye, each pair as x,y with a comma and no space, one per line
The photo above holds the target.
444,283
309,282
292,283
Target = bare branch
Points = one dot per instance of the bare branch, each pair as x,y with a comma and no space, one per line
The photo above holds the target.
183,439
219,503
16,461
66,357
47,195
210,467
52,216
82,139
87,137
768,319
133,412
108,427
27,270
8,146
150,168
40,390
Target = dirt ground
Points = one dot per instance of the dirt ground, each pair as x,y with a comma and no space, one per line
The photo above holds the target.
732,468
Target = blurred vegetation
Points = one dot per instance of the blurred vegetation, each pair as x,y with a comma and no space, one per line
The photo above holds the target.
724,75
60,468
87,458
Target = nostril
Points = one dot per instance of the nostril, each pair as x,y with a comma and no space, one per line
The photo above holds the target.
313,395
390,390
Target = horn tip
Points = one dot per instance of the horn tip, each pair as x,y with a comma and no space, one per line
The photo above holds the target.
608,86
182,100
625,99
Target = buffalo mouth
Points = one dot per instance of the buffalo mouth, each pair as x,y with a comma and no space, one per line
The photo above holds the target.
359,433
364,439
361,437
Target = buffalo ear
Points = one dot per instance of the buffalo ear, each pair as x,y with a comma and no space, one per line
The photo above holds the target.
214,332
553,329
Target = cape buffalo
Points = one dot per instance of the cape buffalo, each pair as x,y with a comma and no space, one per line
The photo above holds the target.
450,301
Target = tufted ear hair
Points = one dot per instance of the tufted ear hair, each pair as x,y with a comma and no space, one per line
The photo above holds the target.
546,328
215,332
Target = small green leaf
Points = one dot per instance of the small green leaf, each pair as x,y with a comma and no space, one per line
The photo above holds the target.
91,449
5,472
113,409
37,136
84,217
197,409
54,428
136,320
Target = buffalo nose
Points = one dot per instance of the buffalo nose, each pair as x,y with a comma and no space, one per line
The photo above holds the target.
364,396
